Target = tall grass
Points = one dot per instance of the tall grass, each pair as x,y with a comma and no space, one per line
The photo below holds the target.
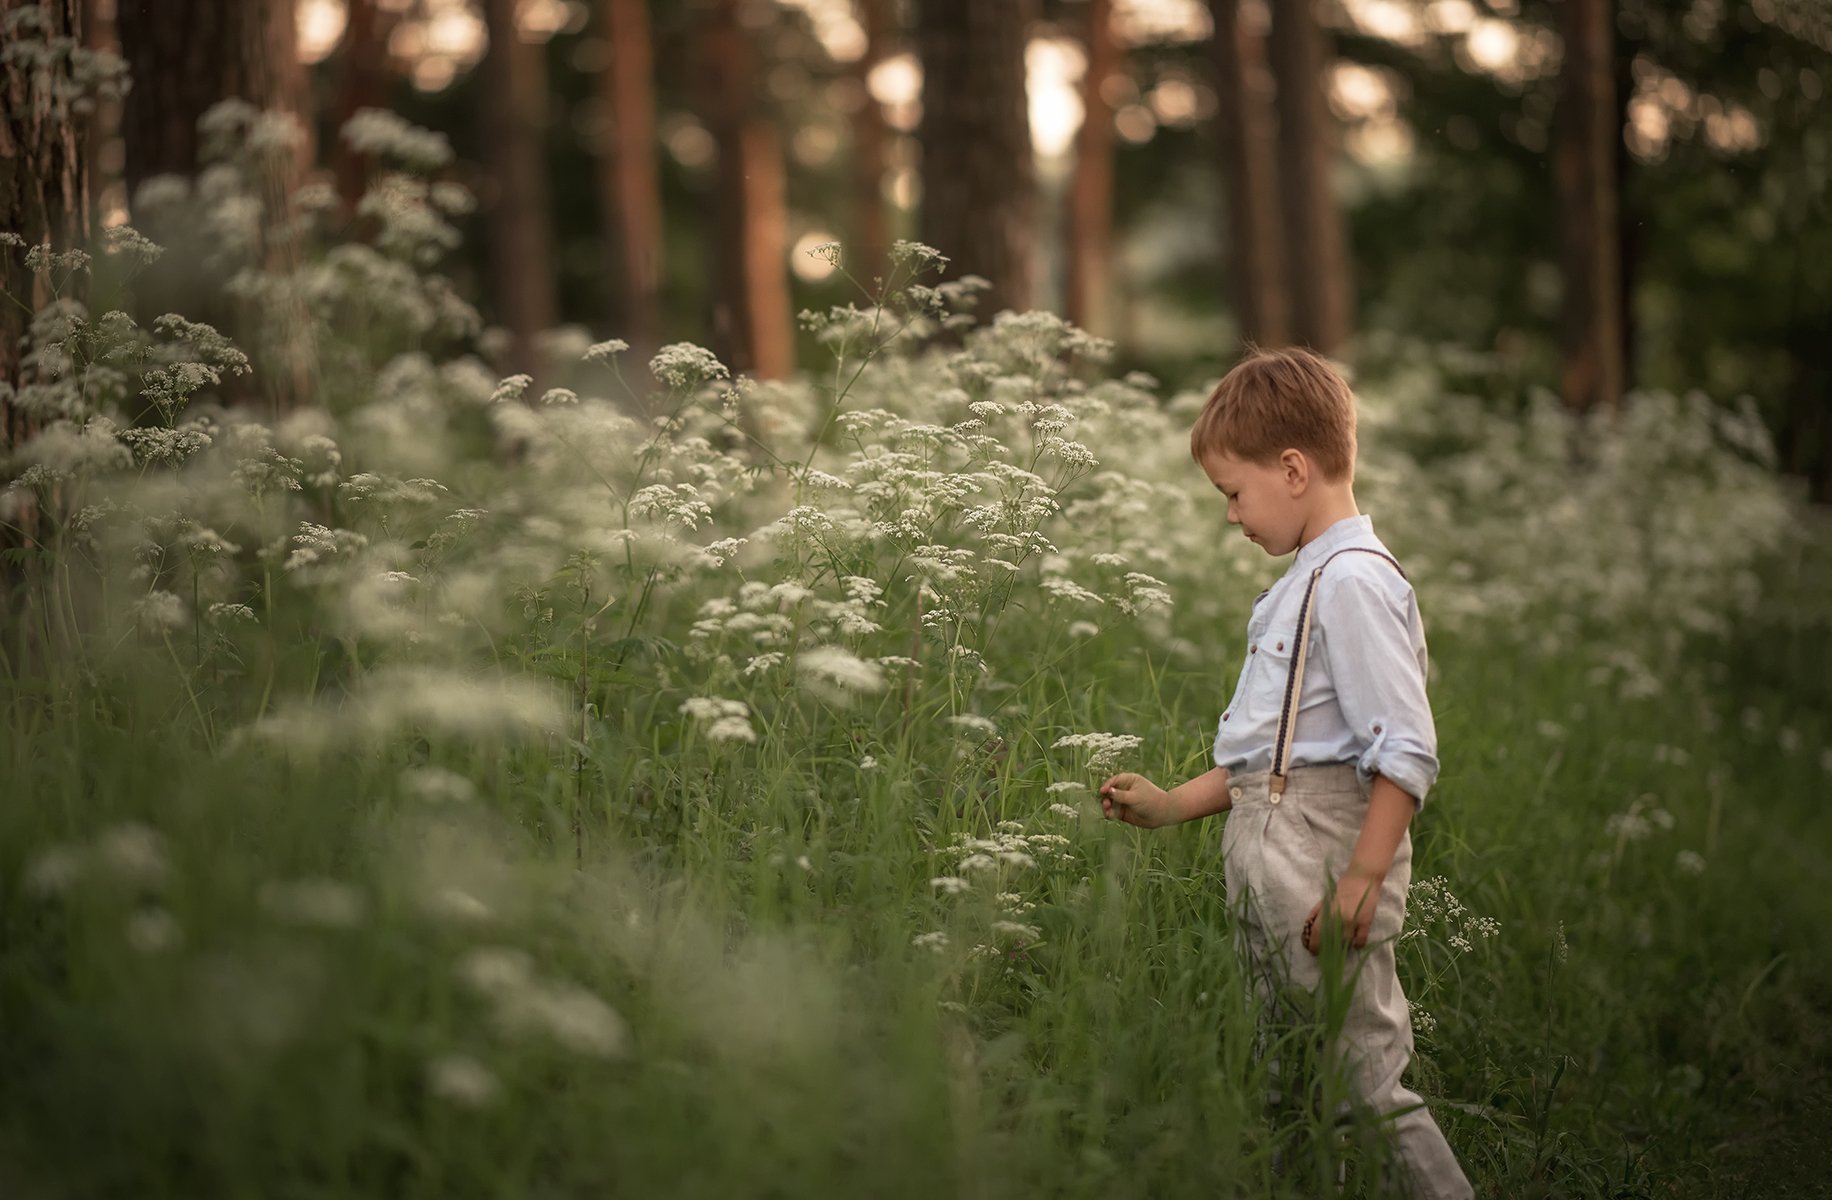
450,789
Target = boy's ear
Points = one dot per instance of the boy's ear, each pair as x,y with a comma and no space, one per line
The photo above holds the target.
1297,469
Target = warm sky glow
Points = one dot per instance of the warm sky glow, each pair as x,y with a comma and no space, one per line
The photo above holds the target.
1054,67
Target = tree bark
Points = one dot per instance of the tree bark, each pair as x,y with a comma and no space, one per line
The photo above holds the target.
1258,288
513,100
1316,243
1588,129
44,189
629,180
44,198
979,192
748,207
362,82
871,238
186,55
1090,252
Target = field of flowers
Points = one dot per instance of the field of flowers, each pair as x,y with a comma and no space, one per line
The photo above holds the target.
451,787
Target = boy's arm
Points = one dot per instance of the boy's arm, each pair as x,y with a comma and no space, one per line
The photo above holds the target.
1357,893
1390,809
1203,796
1365,625
1136,800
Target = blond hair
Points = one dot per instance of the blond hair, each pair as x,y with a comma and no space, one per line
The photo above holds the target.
1274,400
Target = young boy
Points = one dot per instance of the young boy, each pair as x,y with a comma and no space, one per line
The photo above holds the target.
1328,746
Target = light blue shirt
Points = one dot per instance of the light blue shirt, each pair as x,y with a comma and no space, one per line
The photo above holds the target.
1363,697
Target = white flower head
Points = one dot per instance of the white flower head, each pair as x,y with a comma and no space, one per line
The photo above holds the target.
684,365
837,674
462,1080
1104,749
325,903
606,351
935,940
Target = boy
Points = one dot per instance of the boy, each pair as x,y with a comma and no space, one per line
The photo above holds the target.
1328,746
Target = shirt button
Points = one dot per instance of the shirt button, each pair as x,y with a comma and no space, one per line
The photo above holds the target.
1281,645
1275,798
1377,729
1252,649
1225,716
1235,793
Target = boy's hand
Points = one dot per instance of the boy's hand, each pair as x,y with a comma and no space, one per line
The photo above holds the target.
1357,893
1136,800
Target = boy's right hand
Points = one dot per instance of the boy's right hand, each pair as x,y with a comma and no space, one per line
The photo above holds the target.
1136,800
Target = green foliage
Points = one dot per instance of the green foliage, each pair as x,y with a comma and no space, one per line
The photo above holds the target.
446,791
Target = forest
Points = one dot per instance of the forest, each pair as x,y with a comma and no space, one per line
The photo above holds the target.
571,572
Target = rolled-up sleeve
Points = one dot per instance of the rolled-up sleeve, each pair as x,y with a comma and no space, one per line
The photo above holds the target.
1373,642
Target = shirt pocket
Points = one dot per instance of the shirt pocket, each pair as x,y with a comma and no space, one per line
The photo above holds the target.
1268,669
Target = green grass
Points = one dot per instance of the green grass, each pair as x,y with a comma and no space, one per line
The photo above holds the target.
421,877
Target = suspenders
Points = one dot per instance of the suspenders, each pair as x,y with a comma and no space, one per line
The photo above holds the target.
1281,750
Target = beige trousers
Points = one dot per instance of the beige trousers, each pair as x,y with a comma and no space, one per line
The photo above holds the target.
1280,854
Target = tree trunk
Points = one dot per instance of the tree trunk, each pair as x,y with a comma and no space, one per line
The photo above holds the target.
513,98
186,55
362,82
871,238
1584,158
1090,251
749,207
44,186
1258,288
629,181
45,199
1316,244
979,192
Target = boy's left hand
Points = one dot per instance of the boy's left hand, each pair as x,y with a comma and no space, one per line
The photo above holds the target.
1357,893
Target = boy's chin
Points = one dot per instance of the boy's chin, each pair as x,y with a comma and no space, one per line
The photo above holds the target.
1271,550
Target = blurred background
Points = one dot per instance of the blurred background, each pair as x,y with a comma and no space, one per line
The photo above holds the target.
1590,196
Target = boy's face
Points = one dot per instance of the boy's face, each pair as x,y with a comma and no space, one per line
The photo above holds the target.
1263,499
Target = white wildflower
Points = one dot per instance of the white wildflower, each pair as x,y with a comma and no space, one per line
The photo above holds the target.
495,970
831,670
160,612
567,1013
462,1080
935,940
1066,786
456,904
1422,1020
973,723
1104,749
134,854
683,365
949,885
326,903
511,388
52,871
868,763
1017,930
1689,862
1066,810
605,351
153,930
437,785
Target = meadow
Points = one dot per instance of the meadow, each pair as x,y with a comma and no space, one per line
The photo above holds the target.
452,787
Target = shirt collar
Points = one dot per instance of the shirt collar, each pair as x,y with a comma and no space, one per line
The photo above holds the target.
1313,552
